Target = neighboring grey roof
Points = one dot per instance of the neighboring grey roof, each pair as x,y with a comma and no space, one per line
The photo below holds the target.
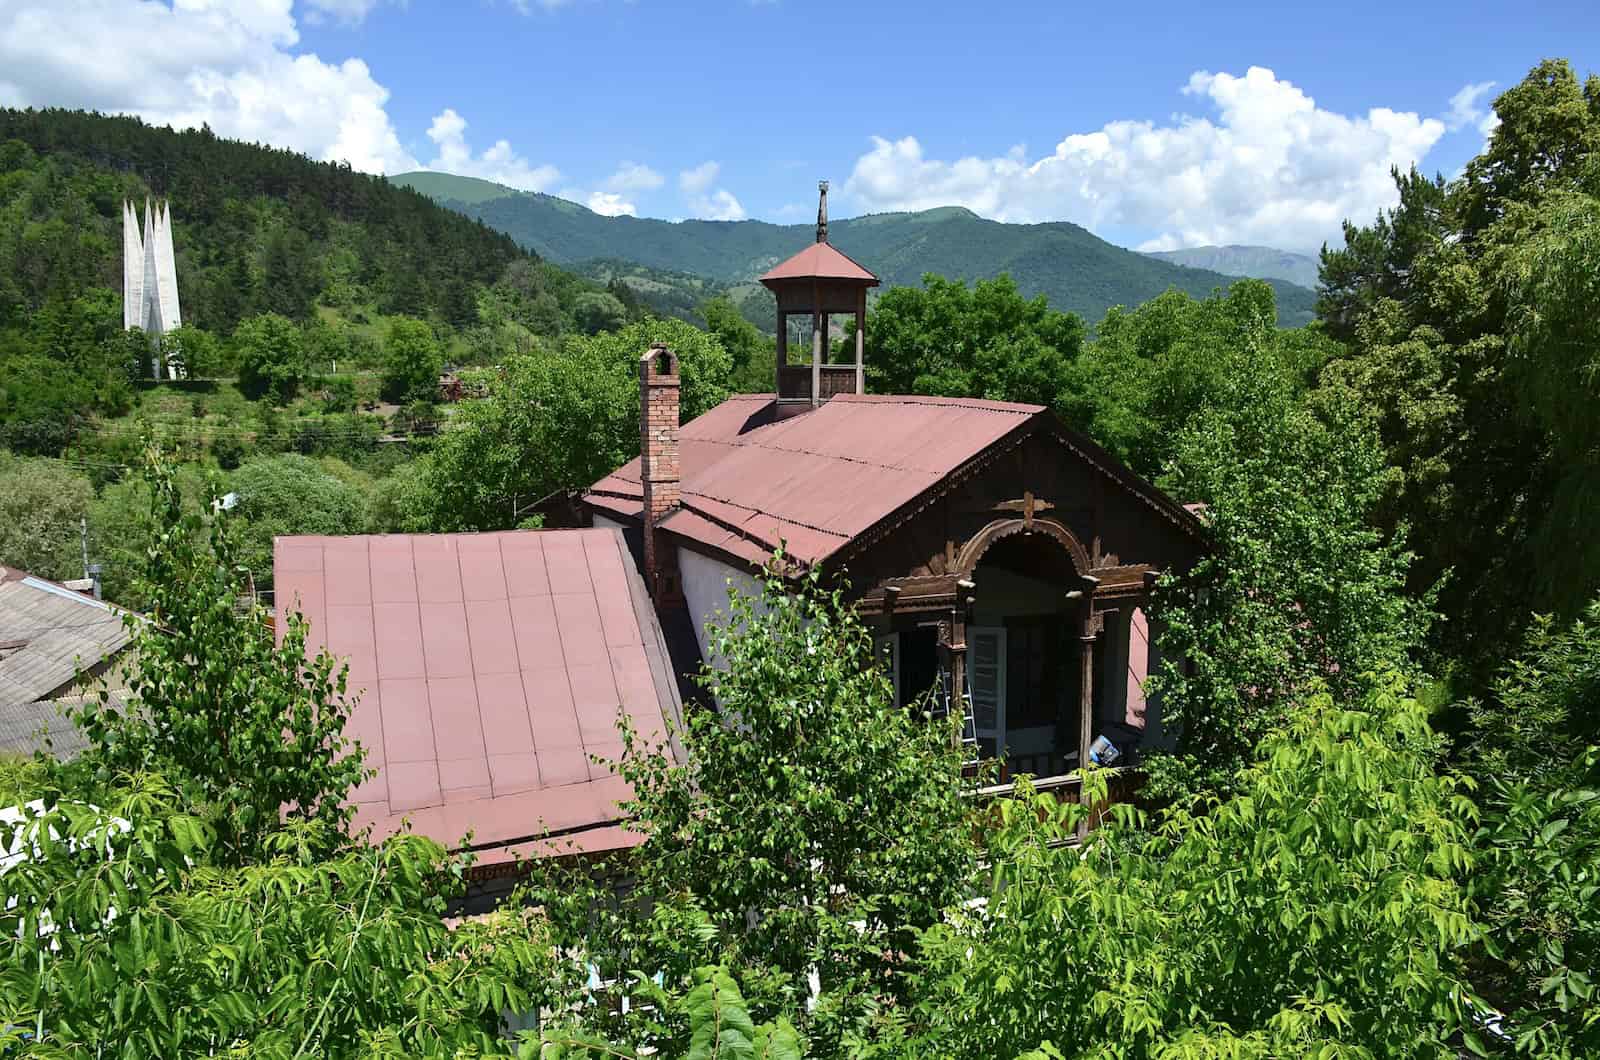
41,726
47,633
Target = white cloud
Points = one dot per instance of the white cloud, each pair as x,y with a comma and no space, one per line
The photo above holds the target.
631,176
703,202
498,162
227,64
720,205
1465,108
1272,168
348,12
610,204
695,181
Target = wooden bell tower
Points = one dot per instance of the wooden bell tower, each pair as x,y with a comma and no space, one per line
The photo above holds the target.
817,282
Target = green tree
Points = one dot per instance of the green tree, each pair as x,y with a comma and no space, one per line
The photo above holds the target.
1150,370
43,403
271,357
1534,749
576,410
984,341
413,360
159,946
123,526
1461,307
250,732
290,494
196,352
42,503
751,351
1296,588
599,311
809,828
1549,275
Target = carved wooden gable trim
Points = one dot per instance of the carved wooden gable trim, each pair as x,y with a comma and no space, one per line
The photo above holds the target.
1038,479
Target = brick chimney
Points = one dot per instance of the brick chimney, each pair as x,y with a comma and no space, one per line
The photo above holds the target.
659,388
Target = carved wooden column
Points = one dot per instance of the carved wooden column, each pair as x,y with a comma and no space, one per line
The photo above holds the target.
783,354
817,318
1088,632
861,342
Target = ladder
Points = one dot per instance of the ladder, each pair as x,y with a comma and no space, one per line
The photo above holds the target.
969,725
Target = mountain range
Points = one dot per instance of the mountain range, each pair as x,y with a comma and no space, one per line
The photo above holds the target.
1265,263
1073,268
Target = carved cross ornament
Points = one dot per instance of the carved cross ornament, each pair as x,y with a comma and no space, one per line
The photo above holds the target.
1029,505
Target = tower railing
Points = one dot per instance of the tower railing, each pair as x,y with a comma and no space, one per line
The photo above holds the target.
794,381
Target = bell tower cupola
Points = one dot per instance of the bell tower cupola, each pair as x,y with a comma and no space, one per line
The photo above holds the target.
818,282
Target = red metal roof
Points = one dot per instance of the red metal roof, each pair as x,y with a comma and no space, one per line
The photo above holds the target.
814,481
820,261
490,667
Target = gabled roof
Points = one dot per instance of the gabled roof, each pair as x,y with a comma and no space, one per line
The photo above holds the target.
490,668
818,481
820,261
47,632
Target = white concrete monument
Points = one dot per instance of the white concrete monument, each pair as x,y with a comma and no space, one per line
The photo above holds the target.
149,276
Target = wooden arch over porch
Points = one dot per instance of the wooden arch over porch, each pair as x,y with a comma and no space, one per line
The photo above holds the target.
972,550
952,595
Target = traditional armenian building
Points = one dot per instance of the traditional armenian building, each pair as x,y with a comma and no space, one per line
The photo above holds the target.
1004,561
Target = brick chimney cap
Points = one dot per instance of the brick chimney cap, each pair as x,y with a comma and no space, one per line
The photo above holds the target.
659,365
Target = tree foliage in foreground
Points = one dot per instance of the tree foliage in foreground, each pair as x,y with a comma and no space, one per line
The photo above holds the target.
129,933
1535,751
1316,913
810,830
251,732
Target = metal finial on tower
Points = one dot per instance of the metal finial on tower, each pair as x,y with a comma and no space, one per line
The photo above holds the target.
822,211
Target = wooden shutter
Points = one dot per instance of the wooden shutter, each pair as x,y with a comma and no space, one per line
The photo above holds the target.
986,674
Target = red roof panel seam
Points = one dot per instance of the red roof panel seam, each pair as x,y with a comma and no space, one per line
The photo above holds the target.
377,708
427,691
516,652
566,675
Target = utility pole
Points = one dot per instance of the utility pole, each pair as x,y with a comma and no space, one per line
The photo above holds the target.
91,571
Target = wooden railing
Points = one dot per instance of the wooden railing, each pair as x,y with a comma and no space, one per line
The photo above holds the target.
794,381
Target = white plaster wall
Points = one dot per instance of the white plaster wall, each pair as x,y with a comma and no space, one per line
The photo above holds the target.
705,589
602,523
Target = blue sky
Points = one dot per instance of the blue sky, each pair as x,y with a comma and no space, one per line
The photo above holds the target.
1154,124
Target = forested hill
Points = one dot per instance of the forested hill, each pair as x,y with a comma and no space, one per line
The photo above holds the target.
1073,268
1261,263
257,229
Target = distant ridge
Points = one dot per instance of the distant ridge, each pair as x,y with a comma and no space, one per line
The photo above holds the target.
1263,263
450,186
1069,265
